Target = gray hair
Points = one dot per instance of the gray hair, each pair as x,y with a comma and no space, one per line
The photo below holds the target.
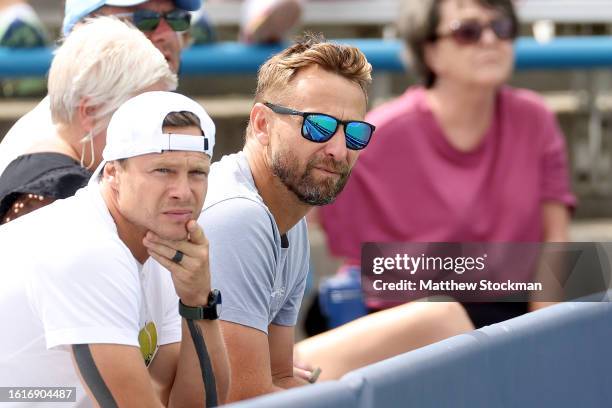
104,61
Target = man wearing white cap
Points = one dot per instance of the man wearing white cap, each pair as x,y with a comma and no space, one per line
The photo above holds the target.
162,21
74,286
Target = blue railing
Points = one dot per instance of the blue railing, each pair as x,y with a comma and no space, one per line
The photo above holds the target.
385,55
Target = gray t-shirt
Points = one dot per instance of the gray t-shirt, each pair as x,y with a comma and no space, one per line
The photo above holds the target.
261,275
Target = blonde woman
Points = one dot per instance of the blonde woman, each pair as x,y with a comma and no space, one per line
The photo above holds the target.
101,64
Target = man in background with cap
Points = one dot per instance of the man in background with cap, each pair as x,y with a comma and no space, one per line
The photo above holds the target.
74,285
163,22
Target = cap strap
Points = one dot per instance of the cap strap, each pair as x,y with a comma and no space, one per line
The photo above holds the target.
174,141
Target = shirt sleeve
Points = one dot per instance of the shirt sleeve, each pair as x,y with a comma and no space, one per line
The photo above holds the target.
555,169
242,259
288,314
88,299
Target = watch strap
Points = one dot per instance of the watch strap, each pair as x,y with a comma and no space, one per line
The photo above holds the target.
208,312
191,312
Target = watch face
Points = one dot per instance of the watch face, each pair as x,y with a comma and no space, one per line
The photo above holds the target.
214,304
214,298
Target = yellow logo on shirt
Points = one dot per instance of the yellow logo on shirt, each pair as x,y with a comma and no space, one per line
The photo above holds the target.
147,338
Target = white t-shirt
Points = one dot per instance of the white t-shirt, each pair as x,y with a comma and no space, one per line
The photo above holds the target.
66,278
32,127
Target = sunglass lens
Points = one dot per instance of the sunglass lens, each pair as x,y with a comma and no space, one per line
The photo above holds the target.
178,20
146,20
358,135
468,32
504,28
319,128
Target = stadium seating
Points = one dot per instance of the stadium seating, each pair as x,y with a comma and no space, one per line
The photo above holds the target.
234,58
375,12
384,12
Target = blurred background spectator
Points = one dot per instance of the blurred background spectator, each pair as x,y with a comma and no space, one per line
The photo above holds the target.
261,21
166,33
265,21
20,27
462,158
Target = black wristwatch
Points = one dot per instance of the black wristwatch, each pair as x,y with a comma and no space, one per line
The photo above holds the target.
210,311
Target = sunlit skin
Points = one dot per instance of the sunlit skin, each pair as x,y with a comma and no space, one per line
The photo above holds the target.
160,193
277,138
169,42
308,169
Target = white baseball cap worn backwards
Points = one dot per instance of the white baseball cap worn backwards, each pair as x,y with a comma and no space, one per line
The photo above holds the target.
77,9
135,128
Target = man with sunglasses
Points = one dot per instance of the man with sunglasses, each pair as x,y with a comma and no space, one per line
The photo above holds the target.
162,21
304,135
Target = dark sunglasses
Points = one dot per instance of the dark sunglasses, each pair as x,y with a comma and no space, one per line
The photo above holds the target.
470,31
319,127
148,20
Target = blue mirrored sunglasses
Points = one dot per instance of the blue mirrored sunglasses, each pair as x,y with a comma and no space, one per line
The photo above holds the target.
320,127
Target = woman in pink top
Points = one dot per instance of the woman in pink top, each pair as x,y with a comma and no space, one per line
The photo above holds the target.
462,158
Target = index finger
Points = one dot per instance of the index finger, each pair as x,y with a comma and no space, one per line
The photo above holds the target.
196,233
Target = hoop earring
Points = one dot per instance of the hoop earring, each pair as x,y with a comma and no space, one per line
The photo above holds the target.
87,138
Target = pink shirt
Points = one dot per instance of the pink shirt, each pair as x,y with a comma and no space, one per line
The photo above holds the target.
410,184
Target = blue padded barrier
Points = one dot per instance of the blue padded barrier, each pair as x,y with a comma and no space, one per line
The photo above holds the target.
384,55
332,394
557,357
444,374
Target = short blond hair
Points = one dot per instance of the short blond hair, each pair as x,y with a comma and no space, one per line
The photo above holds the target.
312,49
